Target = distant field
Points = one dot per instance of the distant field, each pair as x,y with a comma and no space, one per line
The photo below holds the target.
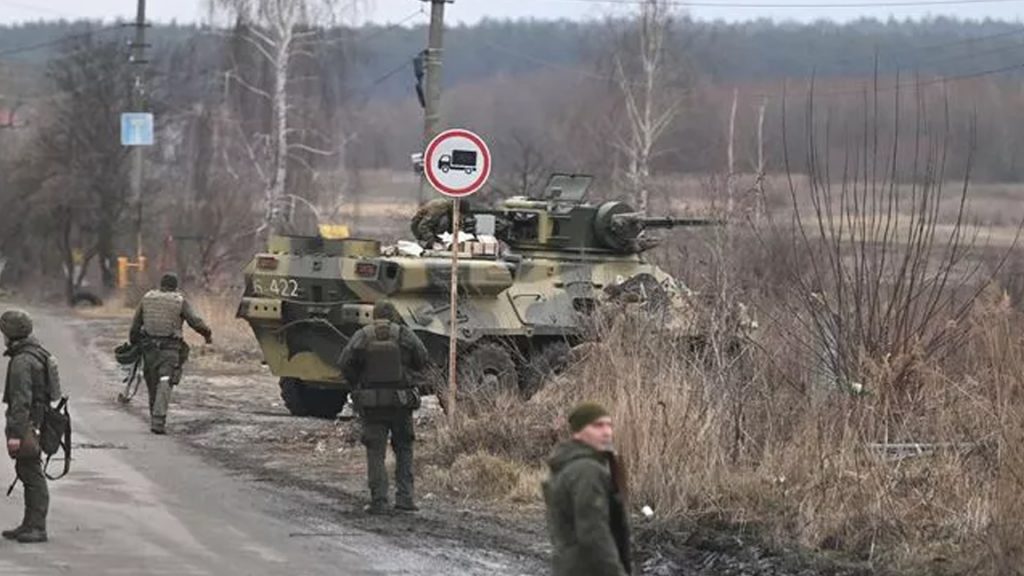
994,210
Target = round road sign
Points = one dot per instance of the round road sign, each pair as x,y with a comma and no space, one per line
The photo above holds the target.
457,163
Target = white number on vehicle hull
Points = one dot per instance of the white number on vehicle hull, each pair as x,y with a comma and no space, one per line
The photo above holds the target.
283,287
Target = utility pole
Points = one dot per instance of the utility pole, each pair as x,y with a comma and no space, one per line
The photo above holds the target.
139,97
434,57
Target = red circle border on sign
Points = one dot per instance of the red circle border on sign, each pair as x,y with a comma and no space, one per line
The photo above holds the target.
484,173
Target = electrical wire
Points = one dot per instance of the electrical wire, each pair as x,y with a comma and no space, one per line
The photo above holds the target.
826,94
918,84
58,41
365,90
712,4
39,9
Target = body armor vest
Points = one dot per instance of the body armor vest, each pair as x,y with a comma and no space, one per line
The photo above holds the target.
383,365
161,314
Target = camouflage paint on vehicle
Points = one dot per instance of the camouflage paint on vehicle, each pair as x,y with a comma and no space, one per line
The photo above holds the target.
305,296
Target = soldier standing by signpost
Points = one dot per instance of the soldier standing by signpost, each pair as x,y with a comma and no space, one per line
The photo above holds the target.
471,175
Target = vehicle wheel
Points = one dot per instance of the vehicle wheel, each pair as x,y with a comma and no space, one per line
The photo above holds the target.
302,399
549,360
445,169
485,374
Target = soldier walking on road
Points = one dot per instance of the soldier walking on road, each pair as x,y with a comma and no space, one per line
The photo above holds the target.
26,394
378,360
586,512
157,327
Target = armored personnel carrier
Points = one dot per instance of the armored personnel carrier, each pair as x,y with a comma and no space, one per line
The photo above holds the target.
527,293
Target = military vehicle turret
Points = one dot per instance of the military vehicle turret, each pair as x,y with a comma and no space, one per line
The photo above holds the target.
525,298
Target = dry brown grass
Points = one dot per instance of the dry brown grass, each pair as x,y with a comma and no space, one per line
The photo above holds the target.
233,339
483,476
797,462
230,333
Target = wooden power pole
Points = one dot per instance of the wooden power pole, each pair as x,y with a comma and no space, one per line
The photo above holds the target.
139,62
434,56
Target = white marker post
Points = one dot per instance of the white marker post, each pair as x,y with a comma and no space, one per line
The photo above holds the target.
457,164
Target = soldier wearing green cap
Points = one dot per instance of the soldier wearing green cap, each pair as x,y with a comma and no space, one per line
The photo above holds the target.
26,394
585,499
377,360
157,327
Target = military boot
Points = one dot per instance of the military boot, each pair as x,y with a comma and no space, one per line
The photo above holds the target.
158,425
406,506
14,533
376,508
32,536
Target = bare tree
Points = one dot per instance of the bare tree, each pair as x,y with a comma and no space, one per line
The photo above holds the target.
650,100
890,262
279,32
78,162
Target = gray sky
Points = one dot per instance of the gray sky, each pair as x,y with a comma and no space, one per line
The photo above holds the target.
474,10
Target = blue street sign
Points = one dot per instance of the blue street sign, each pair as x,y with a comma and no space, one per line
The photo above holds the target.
136,129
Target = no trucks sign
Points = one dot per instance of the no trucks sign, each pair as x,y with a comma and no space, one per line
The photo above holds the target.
457,163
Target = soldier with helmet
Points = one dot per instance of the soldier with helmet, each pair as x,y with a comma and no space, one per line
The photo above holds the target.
27,394
158,328
378,360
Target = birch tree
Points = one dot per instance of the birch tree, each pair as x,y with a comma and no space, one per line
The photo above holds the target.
278,33
648,85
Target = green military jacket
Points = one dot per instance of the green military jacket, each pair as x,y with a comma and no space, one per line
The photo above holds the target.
431,219
25,390
587,519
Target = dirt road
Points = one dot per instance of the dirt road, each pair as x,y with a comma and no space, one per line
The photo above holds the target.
144,505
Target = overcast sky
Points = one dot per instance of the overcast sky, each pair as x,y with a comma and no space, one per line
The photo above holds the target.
473,10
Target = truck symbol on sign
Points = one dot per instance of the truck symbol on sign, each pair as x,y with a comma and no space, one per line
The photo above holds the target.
458,160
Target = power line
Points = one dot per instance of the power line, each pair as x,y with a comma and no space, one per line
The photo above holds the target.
830,93
547,63
901,86
58,41
365,90
968,56
966,41
39,9
711,4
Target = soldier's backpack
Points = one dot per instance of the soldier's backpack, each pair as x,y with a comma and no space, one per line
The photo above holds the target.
55,433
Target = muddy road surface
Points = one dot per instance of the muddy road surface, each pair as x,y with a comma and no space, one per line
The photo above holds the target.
189,504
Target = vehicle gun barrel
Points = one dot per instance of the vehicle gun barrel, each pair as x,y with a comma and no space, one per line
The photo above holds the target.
653,222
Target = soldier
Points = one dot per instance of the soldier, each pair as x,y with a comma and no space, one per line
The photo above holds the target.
26,396
378,360
157,327
435,218
431,220
584,496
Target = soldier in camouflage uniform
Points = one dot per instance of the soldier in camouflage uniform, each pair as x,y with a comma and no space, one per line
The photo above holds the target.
431,220
435,218
26,396
157,326
378,360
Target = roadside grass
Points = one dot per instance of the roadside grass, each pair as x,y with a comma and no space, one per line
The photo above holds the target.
234,342
789,458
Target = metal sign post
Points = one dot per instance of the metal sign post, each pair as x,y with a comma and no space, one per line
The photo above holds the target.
457,164
453,314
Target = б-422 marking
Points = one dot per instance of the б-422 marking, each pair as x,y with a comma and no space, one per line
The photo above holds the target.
283,287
